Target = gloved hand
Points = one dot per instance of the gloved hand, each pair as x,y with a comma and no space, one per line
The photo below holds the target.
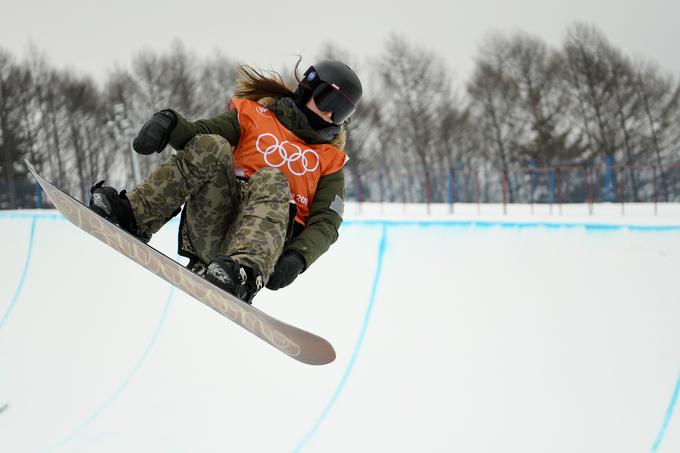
155,134
287,268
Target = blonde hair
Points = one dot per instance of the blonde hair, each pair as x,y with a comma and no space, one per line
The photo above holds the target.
255,84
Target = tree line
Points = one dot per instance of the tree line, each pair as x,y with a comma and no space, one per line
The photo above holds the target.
585,104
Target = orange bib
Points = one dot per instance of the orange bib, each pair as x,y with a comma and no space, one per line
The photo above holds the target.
265,142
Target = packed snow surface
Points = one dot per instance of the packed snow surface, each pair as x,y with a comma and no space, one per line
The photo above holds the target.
541,329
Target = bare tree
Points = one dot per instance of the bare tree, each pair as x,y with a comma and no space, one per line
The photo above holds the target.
414,85
543,101
215,84
84,112
455,132
627,109
525,104
48,101
12,143
660,98
589,76
494,99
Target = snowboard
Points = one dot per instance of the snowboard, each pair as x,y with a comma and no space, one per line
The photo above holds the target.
296,343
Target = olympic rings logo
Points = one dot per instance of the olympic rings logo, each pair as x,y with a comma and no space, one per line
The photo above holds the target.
279,153
262,111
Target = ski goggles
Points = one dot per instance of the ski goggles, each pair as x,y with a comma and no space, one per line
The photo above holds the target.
330,98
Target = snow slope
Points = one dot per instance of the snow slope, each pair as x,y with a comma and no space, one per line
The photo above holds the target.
474,332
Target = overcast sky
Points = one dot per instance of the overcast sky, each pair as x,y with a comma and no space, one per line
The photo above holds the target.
91,36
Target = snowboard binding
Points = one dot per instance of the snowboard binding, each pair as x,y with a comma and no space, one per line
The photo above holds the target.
116,208
241,281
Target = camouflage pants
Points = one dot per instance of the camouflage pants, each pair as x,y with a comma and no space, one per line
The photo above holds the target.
223,215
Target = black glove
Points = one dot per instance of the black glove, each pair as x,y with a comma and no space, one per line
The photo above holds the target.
154,135
287,268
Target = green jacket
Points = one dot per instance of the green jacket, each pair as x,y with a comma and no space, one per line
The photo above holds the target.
311,240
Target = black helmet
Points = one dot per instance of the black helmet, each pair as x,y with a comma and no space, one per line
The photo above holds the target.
334,87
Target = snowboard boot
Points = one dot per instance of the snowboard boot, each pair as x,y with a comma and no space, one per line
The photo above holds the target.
197,266
241,281
115,207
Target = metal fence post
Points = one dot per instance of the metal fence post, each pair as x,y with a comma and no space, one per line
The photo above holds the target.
450,192
458,176
382,186
608,179
428,192
532,183
622,177
477,190
359,194
656,211
552,188
589,189
505,194
38,196
559,190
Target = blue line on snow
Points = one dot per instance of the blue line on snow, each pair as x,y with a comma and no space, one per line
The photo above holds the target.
357,347
31,215
24,273
513,225
104,406
667,417
434,223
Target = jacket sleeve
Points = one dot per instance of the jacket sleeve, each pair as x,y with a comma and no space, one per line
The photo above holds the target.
224,124
325,217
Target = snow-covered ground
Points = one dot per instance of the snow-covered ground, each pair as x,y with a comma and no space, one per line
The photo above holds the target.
473,331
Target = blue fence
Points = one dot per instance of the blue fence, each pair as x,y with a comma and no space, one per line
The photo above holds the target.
605,182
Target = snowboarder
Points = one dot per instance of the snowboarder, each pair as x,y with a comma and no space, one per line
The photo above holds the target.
262,184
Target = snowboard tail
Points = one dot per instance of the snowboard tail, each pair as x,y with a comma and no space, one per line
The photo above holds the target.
296,343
